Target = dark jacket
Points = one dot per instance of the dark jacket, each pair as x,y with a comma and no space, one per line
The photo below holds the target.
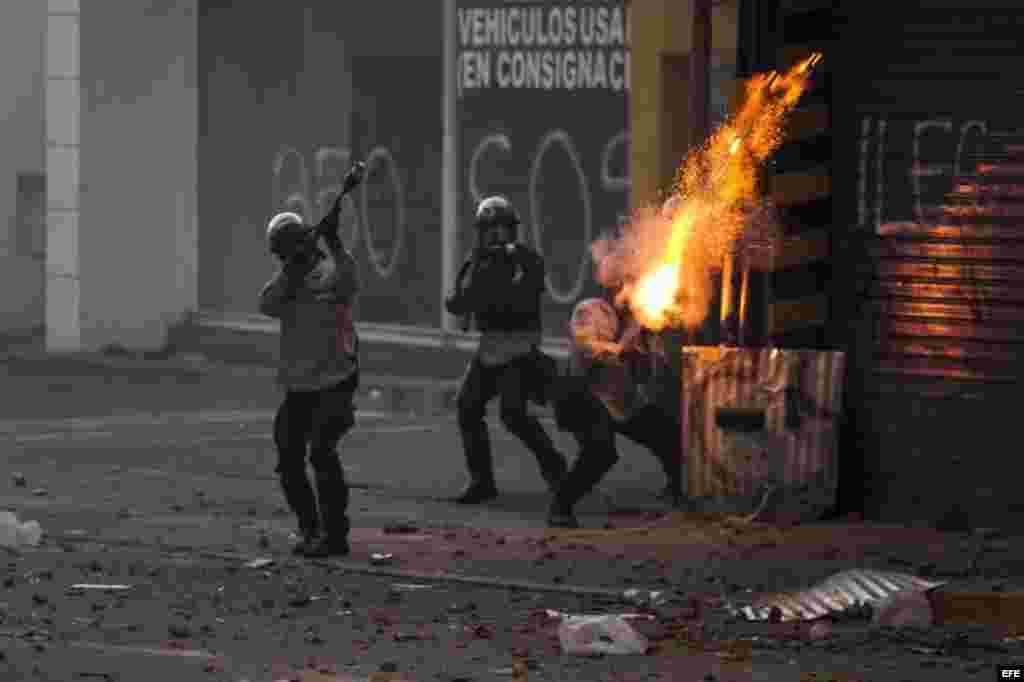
505,289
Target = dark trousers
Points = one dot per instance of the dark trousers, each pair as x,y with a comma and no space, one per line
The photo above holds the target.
595,430
311,424
512,383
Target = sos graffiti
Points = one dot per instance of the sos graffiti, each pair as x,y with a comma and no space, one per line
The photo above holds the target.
556,140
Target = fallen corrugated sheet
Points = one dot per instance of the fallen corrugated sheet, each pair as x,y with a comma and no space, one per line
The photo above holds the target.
834,595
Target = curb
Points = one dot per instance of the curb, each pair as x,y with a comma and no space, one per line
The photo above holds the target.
420,395
184,364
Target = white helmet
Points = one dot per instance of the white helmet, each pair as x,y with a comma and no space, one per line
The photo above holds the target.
594,319
285,229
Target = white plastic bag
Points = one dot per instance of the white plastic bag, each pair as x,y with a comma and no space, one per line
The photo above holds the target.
29,534
590,635
14,534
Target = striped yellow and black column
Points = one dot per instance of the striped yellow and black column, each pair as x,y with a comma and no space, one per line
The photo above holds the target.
790,303
799,181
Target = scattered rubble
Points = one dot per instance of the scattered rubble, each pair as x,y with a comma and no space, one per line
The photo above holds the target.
260,563
382,559
907,608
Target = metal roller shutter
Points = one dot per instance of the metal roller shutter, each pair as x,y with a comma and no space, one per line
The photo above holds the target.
932,267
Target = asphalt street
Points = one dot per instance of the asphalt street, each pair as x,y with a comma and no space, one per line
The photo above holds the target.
162,481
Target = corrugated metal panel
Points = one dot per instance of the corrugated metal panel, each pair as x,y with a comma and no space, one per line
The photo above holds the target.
940,188
834,595
798,458
929,190
948,295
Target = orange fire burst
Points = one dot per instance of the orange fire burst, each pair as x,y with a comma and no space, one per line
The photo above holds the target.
663,263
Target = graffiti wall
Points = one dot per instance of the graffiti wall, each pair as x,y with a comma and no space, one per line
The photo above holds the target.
540,114
908,166
942,198
542,96
285,107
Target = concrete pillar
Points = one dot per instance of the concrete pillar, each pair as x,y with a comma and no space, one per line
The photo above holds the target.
663,33
63,111
121,118
22,201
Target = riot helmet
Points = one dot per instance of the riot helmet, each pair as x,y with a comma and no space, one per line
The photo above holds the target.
496,221
288,235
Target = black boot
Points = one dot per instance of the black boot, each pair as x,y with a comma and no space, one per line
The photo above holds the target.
594,462
672,493
324,547
332,491
298,494
673,496
478,491
557,472
561,515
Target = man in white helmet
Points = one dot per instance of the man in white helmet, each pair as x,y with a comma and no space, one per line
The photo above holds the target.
313,295
499,289
608,391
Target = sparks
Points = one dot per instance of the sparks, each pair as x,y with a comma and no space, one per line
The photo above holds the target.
664,263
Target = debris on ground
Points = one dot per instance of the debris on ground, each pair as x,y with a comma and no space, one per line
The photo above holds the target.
1003,609
836,595
260,563
15,534
907,608
595,635
819,630
518,672
645,598
179,631
97,587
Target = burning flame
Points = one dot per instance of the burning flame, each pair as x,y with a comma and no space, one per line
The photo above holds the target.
663,263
